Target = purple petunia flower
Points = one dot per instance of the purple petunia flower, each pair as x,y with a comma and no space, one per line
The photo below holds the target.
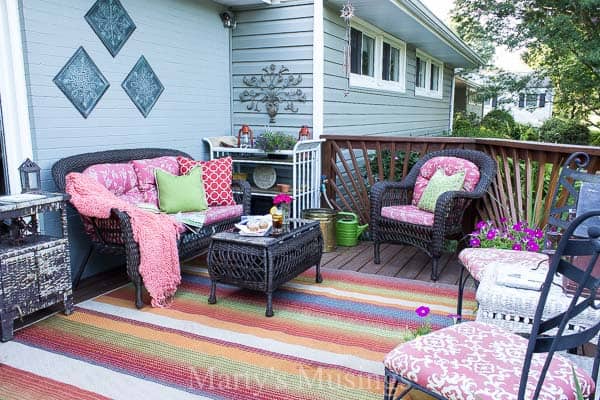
423,311
502,220
532,246
517,247
480,224
491,234
539,233
475,242
517,227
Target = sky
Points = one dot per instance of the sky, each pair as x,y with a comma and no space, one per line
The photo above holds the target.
505,59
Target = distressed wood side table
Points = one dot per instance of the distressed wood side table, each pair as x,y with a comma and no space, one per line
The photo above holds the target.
35,269
264,263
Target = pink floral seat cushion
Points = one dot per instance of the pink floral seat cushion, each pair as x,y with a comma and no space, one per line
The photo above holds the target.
450,166
411,214
472,360
118,178
144,170
476,260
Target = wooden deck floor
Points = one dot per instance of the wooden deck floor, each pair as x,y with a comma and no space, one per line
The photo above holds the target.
396,260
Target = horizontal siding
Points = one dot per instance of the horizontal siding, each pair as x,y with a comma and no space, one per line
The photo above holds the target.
281,35
185,43
377,112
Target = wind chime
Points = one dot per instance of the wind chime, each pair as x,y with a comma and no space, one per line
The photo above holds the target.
347,14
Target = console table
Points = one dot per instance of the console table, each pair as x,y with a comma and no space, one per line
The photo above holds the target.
35,270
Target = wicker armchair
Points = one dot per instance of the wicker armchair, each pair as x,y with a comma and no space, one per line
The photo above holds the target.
114,235
449,210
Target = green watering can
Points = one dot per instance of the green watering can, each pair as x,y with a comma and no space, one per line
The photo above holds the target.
347,229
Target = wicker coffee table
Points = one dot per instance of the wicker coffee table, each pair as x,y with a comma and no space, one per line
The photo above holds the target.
264,263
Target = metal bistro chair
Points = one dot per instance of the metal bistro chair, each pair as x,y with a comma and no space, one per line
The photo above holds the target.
478,261
482,361
395,217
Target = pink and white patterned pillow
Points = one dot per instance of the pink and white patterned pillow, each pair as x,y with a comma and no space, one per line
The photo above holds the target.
144,170
450,166
118,178
409,213
216,175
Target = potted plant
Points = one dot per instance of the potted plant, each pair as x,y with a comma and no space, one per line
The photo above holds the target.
272,142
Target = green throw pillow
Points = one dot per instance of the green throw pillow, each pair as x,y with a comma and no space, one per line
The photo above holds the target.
438,184
180,193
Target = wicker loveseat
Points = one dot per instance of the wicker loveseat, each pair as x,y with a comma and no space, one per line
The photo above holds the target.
114,235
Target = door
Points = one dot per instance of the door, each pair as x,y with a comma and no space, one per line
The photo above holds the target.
3,179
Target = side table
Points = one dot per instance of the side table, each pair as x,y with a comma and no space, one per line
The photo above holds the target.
264,263
35,269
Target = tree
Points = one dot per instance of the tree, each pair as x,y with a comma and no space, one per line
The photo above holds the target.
561,39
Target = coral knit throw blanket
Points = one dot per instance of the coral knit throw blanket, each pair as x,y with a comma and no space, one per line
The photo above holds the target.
155,234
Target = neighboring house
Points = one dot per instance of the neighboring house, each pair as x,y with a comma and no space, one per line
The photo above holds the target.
531,106
465,97
401,82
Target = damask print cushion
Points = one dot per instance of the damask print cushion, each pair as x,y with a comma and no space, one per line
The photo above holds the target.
477,260
216,175
438,184
472,360
410,214
144,170
118,178
450,166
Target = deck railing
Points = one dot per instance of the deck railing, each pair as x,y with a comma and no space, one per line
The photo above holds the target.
352,164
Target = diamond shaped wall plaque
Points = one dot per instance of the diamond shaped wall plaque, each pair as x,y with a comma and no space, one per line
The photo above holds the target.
111,23
82,82
142,86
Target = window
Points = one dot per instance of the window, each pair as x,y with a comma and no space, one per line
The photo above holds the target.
531,100
377,59
429,76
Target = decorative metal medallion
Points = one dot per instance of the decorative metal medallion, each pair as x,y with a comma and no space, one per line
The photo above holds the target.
111,23
347,13
82,82
143,86
271,90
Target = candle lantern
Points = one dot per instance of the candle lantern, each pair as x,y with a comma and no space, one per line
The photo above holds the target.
31,180
245,137
304,133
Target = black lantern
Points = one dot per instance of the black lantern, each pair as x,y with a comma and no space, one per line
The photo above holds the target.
31,180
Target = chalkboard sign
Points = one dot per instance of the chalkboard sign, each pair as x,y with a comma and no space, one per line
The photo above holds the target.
589,200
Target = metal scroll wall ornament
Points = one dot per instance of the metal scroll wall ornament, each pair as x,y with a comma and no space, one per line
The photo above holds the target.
347,13
82,82
273,88
143,86
112,24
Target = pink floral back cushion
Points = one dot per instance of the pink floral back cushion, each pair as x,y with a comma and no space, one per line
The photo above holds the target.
450,165
118,178
144,169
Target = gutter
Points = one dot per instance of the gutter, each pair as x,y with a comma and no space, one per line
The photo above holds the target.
435,25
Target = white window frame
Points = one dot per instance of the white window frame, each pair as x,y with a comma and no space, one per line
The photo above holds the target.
428,61
376,82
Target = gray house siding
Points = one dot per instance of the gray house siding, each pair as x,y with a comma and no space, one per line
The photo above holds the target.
282,35
377,112
185,43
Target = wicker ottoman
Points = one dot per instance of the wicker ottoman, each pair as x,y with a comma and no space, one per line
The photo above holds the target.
264,263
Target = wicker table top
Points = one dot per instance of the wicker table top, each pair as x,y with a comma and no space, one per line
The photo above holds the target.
297,227
6,205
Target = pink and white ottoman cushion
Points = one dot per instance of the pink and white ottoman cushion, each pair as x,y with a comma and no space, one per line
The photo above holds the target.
477,259
472,360
411,214
450,166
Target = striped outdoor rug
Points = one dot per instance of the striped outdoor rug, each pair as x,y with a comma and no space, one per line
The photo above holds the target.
326,341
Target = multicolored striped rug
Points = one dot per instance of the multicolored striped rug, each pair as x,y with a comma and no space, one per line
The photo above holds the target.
326,341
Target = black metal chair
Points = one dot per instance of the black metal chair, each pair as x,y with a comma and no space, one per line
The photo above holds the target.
447,217
565,200
476,360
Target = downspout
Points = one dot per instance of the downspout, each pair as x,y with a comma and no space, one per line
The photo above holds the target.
451,119
231,82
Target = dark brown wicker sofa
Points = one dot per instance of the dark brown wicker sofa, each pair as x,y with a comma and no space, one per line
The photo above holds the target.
114,235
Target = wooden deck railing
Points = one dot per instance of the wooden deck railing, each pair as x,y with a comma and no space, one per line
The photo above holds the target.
527,171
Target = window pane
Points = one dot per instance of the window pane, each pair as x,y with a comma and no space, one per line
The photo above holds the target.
434,78
355,45
421,65
368,55
395,65
531,100
385,70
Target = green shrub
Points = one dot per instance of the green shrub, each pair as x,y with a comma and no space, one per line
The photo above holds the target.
501,122
272,141
465,121
595,137
558,130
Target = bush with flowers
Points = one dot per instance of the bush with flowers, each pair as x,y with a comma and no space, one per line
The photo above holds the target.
518,236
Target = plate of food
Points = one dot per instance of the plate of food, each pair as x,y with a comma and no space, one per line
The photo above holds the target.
255,225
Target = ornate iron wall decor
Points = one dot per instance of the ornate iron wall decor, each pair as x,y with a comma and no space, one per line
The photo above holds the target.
82,82
347,13
271,89
111,23
143,86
